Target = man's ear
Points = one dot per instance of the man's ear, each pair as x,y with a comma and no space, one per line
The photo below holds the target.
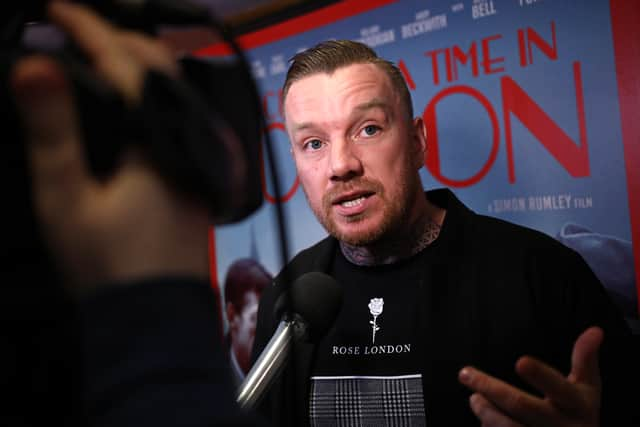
419,141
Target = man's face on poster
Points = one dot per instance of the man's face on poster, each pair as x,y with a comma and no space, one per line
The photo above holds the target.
242,328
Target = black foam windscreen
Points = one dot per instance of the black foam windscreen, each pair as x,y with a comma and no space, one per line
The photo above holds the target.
316,298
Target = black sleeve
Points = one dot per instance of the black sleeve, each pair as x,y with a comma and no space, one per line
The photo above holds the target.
580,301
619,357
564,299
154,356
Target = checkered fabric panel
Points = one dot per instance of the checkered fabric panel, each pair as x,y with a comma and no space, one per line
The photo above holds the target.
367,401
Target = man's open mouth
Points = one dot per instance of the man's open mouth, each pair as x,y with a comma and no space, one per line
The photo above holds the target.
352,200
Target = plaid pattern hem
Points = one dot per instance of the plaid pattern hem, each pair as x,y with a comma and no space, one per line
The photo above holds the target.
367,401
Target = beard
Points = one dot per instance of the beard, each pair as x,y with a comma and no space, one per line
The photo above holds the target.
395,210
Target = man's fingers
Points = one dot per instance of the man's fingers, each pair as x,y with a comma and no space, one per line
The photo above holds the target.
574,396
517,404
550,382
151,53
488,414
584,359
56,158
99,40
84,26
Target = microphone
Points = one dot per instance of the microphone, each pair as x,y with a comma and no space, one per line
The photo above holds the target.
316,299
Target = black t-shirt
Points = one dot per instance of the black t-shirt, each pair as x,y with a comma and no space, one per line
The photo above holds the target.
352,347
367,369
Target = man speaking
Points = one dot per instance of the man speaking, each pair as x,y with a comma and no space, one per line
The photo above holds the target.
449,318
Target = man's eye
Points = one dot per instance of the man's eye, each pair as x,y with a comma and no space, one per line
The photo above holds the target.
314,144
370,130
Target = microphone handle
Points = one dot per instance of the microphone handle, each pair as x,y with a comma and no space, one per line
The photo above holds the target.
267,367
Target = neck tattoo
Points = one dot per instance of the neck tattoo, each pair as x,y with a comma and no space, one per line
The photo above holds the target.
404,245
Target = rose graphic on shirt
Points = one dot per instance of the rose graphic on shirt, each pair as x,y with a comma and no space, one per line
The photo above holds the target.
375,308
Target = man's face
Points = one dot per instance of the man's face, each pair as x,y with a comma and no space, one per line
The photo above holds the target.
356,152
242,326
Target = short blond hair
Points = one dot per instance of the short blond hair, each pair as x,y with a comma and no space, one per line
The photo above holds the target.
328,56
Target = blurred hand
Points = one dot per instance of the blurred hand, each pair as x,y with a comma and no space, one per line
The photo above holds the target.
570,401
132,225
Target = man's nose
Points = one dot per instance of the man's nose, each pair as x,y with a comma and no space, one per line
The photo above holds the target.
345,162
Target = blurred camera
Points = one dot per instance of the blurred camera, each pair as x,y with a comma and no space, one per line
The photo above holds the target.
201,133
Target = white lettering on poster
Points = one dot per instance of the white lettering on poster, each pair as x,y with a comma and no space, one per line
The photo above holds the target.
549,202
373,36
524,3
482,9
457,7
412,29
259,71
278,65
423,14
